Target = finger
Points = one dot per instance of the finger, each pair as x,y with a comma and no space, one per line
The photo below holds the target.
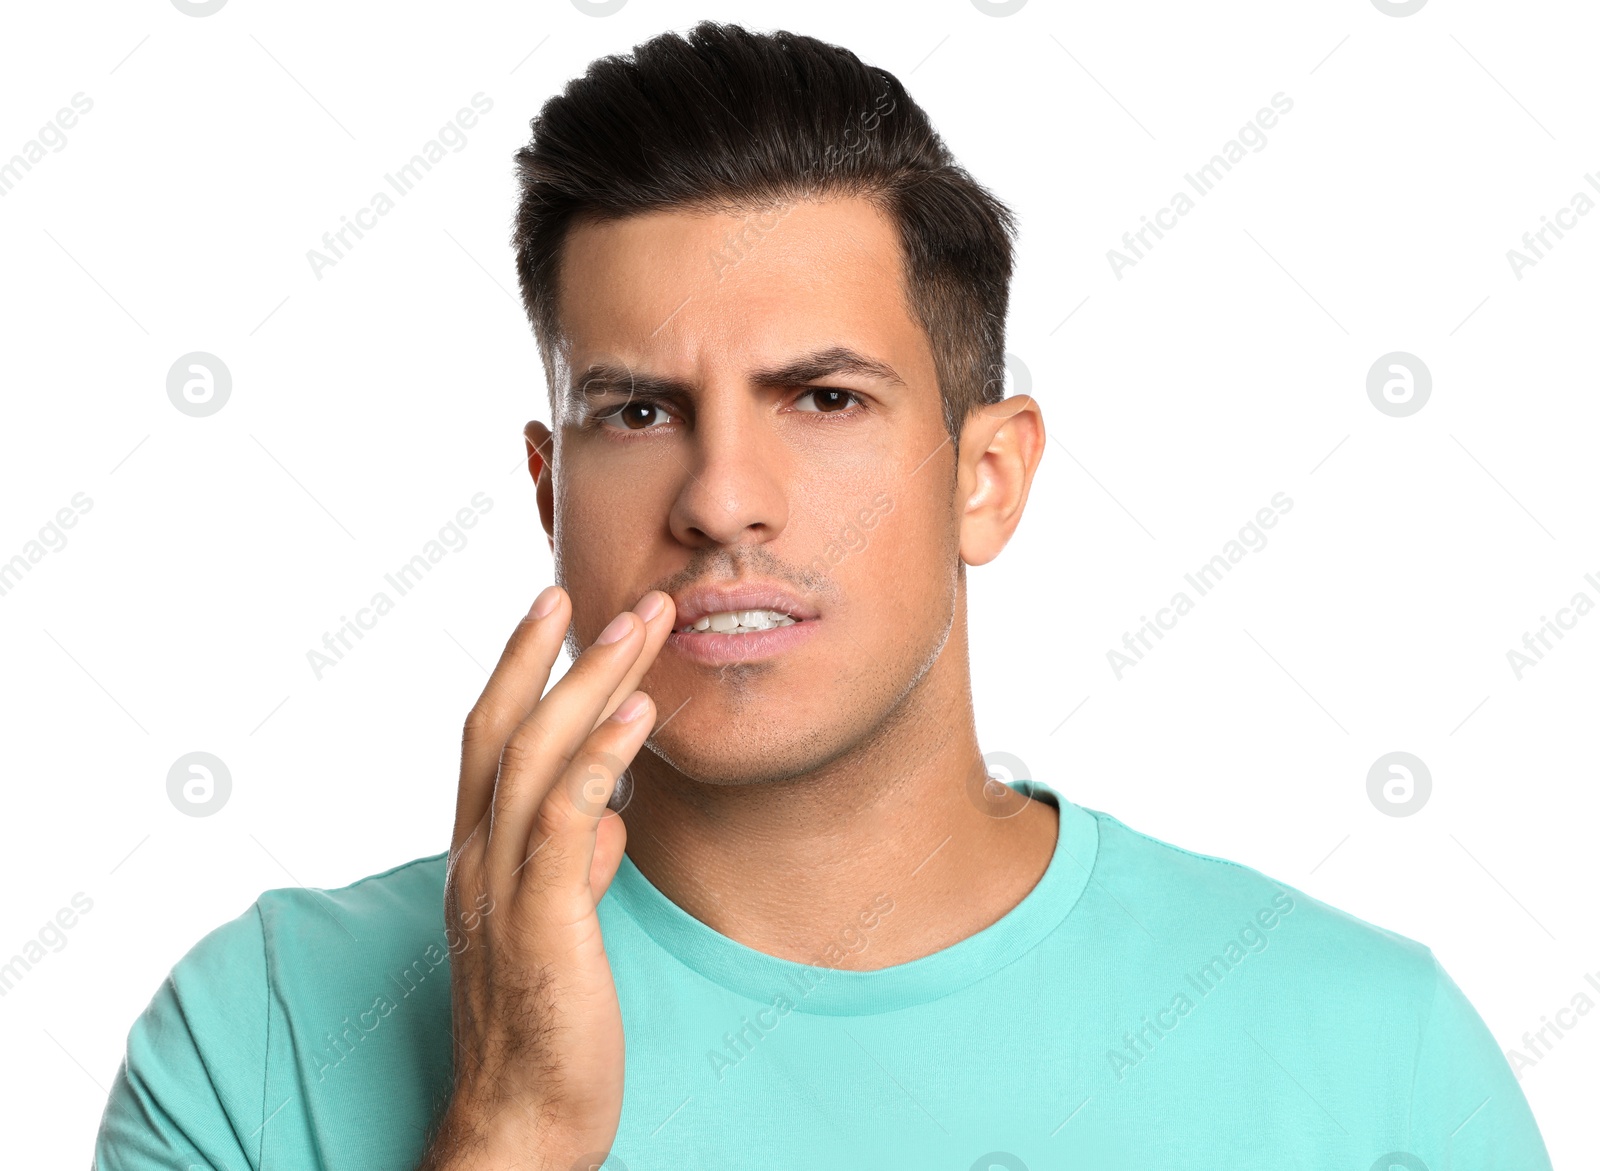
514,687
564,832
657,629
545,742
610,844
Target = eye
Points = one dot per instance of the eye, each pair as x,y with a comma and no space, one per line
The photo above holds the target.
829,400
632,416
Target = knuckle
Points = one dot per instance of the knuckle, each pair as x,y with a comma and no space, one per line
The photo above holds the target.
541,875
595,775
463,877
479,725
521,751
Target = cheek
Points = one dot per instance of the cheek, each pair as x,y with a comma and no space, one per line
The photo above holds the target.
604,527
895,548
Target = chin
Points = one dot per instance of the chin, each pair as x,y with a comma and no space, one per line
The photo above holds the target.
709,755
759,724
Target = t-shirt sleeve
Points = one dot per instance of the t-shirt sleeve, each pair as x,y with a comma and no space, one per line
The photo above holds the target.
1467,1110
188,1093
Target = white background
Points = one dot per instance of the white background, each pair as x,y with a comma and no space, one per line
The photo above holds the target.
1229,364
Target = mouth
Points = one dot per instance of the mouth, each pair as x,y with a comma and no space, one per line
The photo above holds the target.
743,623
738,622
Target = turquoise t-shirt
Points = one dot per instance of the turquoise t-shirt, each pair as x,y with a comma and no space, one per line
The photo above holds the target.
1143,1007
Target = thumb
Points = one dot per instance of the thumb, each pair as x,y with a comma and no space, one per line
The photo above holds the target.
610,843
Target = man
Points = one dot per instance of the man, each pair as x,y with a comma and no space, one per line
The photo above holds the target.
804,930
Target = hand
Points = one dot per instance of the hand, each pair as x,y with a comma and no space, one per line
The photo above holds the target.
537,1027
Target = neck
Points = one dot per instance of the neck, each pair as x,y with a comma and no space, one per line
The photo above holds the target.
784,866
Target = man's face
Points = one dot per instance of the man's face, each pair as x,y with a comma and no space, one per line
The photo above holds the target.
752,406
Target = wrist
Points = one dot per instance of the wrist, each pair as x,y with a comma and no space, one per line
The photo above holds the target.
508,1135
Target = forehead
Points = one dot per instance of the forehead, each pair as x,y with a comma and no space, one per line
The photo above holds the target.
681,289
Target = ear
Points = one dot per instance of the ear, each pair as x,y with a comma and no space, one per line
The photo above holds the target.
1001,446
540,446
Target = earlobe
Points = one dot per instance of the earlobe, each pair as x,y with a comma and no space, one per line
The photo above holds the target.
1001,446
538,440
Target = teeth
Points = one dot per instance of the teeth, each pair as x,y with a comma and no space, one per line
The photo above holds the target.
741,621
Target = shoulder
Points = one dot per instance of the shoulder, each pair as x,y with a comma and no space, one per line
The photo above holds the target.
309,950
1204,906
326,967
279,999
1365,1017
400,902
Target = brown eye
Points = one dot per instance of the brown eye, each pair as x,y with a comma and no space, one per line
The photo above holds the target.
633,417
829,400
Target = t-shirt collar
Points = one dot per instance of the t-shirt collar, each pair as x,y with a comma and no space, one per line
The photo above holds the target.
826,990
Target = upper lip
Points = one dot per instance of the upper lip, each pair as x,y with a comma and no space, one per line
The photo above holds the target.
698,602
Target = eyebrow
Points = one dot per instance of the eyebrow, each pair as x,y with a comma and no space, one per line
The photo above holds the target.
603,378
825,364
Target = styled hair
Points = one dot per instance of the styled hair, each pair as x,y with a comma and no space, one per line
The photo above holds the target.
729,120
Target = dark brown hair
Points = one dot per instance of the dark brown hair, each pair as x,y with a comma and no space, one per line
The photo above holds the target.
727,119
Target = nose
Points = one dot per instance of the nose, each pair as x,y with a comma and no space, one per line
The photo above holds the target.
735,473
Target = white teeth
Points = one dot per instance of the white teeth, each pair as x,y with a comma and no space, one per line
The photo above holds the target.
741,621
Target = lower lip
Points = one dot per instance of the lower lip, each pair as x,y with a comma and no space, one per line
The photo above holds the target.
717,650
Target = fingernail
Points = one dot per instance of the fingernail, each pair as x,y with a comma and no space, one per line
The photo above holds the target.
545,602
649,606
630,709
620,625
